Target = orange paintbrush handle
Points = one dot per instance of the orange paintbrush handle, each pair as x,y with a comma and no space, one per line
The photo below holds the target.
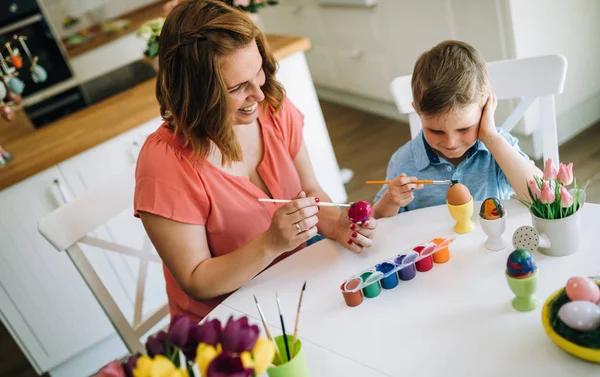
424,182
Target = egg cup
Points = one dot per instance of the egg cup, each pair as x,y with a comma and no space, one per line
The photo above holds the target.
524,289
462,214
494,230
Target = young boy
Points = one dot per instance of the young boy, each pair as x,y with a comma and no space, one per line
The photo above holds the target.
459,140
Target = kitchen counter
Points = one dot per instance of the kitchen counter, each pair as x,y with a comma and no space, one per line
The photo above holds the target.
36,150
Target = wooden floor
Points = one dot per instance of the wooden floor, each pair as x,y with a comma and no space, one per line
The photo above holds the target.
364,143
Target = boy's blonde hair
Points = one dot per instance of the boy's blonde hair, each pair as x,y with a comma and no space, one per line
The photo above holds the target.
448,77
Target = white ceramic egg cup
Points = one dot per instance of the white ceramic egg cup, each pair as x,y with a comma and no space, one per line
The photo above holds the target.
494,230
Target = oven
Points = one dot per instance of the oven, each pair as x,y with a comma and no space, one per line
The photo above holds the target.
59,94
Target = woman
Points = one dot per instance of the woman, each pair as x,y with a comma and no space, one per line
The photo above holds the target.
230,137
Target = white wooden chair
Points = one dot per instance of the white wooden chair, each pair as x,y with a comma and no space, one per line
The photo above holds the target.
532,79
69,227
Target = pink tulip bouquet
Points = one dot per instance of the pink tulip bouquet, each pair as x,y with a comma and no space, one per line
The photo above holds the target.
191,350
549,197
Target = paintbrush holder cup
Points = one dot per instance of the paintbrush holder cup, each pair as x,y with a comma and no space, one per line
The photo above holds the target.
462,215
296,367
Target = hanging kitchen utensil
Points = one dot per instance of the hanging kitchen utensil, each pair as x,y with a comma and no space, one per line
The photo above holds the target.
13,99
15,58
3,91
6,111
12,82
38,73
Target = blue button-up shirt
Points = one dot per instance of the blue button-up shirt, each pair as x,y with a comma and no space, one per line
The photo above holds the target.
479,172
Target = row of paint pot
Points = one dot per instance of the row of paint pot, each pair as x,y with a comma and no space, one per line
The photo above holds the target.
388,273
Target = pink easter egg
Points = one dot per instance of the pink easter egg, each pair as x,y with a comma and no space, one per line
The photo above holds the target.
580,288
360,211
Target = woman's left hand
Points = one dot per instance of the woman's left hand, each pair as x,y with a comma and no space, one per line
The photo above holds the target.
355,237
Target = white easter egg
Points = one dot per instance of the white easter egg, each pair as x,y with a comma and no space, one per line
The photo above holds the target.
580,315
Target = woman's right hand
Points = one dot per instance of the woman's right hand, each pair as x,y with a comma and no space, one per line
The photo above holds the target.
293,223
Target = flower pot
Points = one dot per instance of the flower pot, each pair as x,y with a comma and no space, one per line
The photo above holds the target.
564,235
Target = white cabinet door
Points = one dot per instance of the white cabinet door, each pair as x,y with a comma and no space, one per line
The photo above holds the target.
295,76
44,302
118,272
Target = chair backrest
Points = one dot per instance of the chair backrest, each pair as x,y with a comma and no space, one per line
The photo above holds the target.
70,228
530,79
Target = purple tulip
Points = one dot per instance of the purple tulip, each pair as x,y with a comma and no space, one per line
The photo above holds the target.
238,336
227,365
182,334
209,332
130,365
155,345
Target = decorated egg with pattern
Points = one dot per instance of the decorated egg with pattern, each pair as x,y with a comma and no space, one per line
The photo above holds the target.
520,264
580,288
491,209
580,315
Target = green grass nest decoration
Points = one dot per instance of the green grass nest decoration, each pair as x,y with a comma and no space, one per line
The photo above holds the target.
589,339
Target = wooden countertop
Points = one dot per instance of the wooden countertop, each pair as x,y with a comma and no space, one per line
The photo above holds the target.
36,150
136,18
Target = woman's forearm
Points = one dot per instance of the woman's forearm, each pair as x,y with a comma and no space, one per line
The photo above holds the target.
224,274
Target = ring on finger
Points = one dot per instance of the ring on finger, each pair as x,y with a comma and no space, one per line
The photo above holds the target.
298,227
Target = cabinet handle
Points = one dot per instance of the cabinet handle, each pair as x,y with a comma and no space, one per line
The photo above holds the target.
357,54
60,194
297,10
135,150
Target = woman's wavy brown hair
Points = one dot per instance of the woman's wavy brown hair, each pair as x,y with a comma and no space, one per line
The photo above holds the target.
190,89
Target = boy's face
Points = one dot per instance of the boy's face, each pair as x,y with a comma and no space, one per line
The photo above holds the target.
451,135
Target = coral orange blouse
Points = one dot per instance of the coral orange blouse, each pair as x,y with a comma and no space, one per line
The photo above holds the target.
171,183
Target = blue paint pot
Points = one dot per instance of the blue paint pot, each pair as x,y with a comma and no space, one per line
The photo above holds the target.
388,282
408,272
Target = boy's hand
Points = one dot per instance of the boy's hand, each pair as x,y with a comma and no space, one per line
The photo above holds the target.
487,125
401,190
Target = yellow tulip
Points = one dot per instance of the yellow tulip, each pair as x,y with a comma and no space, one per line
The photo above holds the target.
204,355
263,353
143,367
247,360
160,366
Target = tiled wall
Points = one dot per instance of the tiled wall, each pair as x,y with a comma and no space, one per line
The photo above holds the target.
101,10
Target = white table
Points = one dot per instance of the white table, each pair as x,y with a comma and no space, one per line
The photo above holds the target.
455,320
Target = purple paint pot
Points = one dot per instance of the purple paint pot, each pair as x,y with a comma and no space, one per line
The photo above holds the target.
388,281
408,272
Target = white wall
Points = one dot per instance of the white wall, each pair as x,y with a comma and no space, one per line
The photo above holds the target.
571,28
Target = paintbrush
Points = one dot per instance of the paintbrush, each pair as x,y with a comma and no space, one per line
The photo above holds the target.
418,182
262,318
285,340
297,319
320,204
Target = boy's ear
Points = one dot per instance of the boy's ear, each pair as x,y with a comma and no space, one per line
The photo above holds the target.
413,105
